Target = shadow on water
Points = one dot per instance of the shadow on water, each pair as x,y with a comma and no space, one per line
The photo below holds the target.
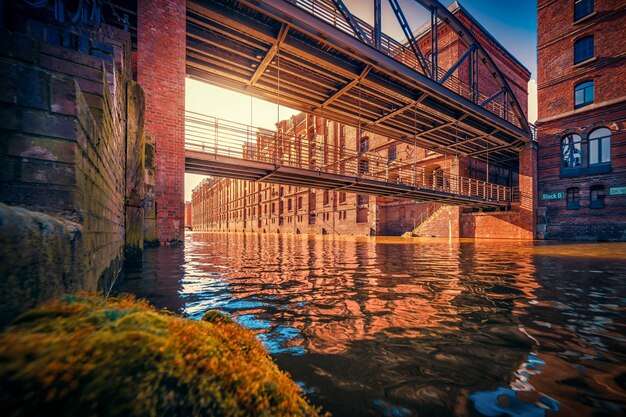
409,327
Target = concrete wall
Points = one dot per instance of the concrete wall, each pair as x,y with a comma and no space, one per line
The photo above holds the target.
64,125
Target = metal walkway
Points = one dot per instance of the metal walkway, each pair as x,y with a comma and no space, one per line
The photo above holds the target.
314,56
222,148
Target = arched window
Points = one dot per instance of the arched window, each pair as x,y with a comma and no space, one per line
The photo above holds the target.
583,94
600,146
571,152
583,49
582,8
573,198
596,196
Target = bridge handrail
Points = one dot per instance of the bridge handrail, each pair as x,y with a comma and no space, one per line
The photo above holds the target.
223,137
325,11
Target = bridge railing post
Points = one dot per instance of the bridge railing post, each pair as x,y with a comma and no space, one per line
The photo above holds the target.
215,134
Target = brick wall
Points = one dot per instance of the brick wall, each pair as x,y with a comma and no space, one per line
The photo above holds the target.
557,77
161,72
63,150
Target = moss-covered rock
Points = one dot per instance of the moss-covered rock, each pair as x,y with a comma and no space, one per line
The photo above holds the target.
83,356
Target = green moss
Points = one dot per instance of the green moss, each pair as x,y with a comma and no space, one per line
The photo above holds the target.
83,356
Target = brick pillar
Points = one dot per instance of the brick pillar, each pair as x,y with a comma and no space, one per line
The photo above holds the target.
528,191
161,73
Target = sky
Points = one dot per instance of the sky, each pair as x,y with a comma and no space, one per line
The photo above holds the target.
512,23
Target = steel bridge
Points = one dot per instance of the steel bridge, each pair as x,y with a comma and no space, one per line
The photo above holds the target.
227,149
315,56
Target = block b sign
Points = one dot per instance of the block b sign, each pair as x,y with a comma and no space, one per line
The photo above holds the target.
553,195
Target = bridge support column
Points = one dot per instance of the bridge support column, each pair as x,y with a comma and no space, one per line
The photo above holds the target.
161,34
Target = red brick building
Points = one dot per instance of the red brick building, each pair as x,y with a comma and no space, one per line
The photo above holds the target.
582,119
236,205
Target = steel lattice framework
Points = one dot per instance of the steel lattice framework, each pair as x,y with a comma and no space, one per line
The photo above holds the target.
315,56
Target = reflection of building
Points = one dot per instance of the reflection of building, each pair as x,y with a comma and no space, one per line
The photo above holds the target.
321,144
582,120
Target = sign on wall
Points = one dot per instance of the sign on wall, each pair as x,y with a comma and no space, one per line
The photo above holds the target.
617,191
553,195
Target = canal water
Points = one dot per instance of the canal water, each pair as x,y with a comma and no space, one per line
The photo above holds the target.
406,327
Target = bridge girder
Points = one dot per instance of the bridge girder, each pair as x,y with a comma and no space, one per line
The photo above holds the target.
279,52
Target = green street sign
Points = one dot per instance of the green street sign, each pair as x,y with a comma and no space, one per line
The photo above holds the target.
617,191
553,195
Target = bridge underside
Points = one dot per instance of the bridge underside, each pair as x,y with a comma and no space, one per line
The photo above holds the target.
279,52
231,167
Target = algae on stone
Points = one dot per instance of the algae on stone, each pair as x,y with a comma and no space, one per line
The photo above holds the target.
84,356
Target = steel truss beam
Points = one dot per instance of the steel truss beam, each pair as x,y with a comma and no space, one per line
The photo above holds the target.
315,58
445,15
351,21
271,53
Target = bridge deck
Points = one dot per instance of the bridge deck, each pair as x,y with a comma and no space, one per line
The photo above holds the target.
227,149
295,53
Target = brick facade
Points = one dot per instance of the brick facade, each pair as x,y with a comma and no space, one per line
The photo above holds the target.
582,193
161,38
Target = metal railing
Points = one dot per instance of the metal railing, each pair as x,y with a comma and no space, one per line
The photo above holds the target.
327,12
311,151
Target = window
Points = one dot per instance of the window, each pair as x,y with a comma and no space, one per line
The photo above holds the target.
364,144
571,152
342,197
300,203
582,8
573,198
596,196
364,166
391,154
362,199
583,49
600,146
583,94
289,205
326,198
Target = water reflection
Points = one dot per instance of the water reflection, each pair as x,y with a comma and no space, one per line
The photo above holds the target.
389,326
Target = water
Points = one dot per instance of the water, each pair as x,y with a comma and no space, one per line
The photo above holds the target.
405,327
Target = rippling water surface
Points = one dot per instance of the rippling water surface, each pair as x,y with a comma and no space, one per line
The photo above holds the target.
407,327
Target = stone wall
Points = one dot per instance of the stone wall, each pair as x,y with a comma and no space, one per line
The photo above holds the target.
63,122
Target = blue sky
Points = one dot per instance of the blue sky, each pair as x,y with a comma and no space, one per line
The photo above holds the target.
512,23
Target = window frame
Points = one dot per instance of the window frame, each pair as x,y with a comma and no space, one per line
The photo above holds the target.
392,153
584,86
597,195
587,11
601,144
364,144
571,146
578,43
572,198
